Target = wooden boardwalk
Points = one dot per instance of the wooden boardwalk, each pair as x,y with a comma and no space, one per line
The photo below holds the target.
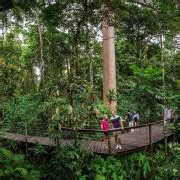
130,141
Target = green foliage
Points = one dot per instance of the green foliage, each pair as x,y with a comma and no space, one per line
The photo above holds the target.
111,168
100,109
136,166
145,90
111,96
23,109
69,163
142,95
65,66
166,167
14,166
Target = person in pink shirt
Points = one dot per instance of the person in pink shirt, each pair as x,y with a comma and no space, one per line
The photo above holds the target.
105,125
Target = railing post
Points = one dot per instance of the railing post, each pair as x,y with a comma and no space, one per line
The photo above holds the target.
109,145
75,136
25,128
150,137
165,140
174,130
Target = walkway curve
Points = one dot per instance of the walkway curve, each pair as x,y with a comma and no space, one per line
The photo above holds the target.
135,139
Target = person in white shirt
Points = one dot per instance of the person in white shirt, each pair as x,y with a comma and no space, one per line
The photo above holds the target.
136,118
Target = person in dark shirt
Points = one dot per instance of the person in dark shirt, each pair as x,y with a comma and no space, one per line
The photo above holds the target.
130,120
116,123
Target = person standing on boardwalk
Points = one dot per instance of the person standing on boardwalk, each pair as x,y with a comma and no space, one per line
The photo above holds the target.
116,123
130,120
105,125
136,118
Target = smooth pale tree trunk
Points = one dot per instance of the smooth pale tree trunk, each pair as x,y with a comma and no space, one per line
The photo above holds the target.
40,31
109,67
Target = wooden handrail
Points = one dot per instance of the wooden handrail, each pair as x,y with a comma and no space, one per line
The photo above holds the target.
112,130
99,130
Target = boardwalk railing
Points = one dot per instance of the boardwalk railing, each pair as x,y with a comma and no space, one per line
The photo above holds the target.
122,130
56,132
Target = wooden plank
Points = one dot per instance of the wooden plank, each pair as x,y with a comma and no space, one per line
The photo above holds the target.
96,146
104,148
88,147
93,146
84,144
100,146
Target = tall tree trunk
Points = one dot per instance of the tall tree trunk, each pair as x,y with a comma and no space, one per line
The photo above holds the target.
2,92
90,58
109,68
40,31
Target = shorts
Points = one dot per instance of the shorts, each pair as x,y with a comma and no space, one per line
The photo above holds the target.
131,124
116,133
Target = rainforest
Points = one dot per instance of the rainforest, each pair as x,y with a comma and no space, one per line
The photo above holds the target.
89,89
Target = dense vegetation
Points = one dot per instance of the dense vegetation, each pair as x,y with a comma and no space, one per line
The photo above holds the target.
70,163
51,71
